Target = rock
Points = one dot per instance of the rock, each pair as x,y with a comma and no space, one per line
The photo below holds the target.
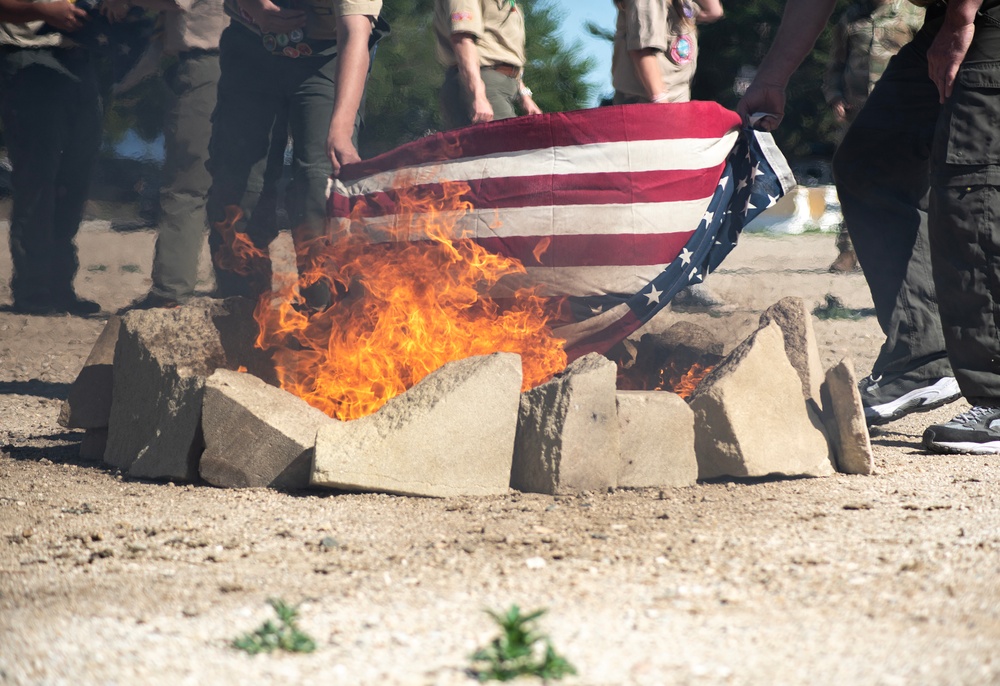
567,433
93,445
751,418
662,359
162,359
845,418
255,434
88,404
796,325
451,434
657,440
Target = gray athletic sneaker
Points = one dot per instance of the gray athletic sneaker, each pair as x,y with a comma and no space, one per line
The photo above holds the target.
887,400
975,432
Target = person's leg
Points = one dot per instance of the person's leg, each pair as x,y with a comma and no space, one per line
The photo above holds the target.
83,115
181,233
249,102
501,91
881,170
965,244
31,129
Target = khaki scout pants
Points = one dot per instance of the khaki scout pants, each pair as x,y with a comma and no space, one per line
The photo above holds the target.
193,82
501,90
919,184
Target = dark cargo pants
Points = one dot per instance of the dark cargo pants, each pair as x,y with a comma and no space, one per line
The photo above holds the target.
51,115
918,183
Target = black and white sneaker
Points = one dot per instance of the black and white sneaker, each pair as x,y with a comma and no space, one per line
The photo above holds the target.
975,432
887,401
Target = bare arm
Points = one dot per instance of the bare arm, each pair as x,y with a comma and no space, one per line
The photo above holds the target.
711,10
951,44
353,32
801,24
467,56
648,72
62,15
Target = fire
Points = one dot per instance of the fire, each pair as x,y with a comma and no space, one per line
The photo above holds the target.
403,309
669,378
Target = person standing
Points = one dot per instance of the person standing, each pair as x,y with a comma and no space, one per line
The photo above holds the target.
654,61
917,175
310,65
868,33
191,33
481,44
51,113
656,48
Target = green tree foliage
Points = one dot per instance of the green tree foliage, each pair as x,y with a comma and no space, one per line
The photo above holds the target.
402,96
732,48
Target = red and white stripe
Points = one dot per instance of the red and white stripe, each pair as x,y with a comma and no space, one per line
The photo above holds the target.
591,202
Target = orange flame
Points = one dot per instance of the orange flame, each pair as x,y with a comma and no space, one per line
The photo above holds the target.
403,309
541,248
667,378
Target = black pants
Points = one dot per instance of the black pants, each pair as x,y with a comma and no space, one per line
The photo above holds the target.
918,183
52,125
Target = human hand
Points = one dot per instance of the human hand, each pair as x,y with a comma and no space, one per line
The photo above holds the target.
529,106
763,97
273,19
62,15
114,10
945,56
839,111
482,110
340,149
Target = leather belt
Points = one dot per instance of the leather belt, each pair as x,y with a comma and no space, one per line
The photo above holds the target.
505,69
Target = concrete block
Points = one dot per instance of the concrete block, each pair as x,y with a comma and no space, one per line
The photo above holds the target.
657,440
845,418
255,434
751,418
161,362
451,434
88,404
795,321
93,445
568,437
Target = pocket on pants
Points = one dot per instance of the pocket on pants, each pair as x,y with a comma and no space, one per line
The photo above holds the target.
971,116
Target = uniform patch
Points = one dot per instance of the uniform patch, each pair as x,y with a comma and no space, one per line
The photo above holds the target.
461,16
680,51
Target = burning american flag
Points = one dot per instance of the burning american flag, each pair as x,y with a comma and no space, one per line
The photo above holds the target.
611,210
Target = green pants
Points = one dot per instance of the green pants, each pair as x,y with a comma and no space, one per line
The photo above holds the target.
456,101
192,81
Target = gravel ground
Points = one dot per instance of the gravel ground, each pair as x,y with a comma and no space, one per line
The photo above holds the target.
887,579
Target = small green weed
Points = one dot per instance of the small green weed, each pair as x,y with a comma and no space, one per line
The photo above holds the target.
130,268
270,636
97,268
835,309
518,651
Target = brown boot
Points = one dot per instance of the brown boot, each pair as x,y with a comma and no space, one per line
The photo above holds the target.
845,263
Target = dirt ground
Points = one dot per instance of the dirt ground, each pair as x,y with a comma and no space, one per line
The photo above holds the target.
888,579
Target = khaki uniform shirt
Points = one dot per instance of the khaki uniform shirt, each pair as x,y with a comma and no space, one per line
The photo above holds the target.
665,27
321,17
198,26
864,40
26,35
497,26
